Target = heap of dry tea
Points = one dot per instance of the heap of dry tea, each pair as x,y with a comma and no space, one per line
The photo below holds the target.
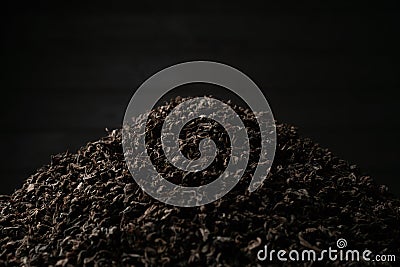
86,209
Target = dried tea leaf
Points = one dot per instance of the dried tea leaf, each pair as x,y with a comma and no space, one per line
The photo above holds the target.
86,209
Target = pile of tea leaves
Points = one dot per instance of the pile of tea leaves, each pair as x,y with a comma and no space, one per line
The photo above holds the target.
86,209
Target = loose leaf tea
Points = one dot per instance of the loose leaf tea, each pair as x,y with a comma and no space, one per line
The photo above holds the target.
86,209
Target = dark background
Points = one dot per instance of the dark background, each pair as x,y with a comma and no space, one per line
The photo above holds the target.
68,72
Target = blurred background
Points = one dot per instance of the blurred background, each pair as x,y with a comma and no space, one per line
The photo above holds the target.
68,72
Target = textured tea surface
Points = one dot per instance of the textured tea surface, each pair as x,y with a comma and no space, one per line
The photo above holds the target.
86,209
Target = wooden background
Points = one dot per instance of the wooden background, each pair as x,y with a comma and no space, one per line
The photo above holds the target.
69,72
